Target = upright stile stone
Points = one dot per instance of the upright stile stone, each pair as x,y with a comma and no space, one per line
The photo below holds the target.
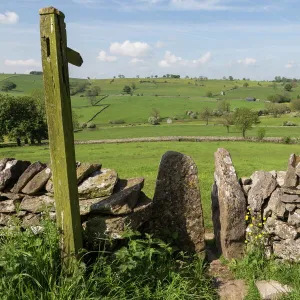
55,57
228,207
177,202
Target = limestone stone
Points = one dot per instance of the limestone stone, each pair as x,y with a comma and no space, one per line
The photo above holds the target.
280,229
86,169
297,169
49,186
245,181
288,250
103,227
177,204
262,187
294,218
11,196
246,189
128,183
100,184
8,206
232,289
31,220
275,206
37,204
3,163
119,203
11,173
85,205
271,289
280,177
29,173
273,173
5,219
290,191
291,179
228,207
290,207
37,183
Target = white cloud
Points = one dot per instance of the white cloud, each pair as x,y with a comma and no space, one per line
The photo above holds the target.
9,17
290,65
197,5
171,60
247,61
22,63
159,44
104,57
136,61
136,49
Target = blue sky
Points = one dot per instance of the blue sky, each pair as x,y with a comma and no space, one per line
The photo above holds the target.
258,39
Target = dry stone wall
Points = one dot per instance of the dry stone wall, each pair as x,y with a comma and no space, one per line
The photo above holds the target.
273,209
108,205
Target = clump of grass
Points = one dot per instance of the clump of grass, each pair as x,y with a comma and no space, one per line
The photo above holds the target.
144,268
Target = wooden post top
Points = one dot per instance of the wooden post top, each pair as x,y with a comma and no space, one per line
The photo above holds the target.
51,10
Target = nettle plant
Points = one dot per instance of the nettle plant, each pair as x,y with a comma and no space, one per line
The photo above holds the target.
256,236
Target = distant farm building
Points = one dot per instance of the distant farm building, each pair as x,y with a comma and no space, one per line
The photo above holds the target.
251,99
222,93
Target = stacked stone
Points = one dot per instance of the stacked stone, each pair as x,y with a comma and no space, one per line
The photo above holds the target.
274,200
108,205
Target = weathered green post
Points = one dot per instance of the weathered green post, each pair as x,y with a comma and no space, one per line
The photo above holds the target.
55,57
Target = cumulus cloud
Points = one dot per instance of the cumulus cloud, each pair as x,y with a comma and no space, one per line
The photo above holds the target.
171,60
9,17
290,65
135,49
136,61
159,44
22,63
247,61
104,57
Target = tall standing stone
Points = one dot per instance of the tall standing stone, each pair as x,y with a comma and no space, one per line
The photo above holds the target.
177,203
228,207
291,179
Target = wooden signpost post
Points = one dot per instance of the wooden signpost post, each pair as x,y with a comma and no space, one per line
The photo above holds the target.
55,58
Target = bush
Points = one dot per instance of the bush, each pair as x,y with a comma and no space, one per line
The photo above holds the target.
261,133
127,89
287,140
193,115
83,125
153,120
279,98
91,125
116,122
209,94
288,123
7,86
288,87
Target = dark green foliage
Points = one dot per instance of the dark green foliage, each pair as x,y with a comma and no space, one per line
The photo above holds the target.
127,89
261,133
209,94
206,114
296,104
91,125
78,87
22,118
133,86
287,140
7,86
144,269
117,122
288,87
244,119
36,73
246,84
279,98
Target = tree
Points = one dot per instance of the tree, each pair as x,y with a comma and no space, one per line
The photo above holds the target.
224,106
155,113
230,78
288,87
7,86
209,94
296,104
244,119
246,84
92,93
206,114
133,86
127,89
22,118
227,120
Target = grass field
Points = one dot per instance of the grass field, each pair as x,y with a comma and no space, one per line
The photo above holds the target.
142,159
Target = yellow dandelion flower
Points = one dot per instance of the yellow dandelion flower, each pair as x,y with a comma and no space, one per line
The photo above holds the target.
246,218
260,224
253,218
250,233
251,225
246,242
264,218
259,235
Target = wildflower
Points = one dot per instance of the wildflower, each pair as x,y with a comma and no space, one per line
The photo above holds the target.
264,218
251,225
246,242
260,224
248,230
246,218
259,235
